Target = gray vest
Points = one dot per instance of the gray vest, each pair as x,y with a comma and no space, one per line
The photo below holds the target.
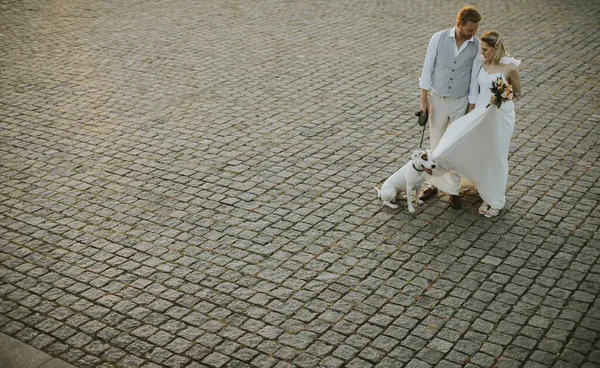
452,75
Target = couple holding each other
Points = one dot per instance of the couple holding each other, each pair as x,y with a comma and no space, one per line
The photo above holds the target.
457,80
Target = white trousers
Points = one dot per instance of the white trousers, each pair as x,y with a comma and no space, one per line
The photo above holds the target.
444,111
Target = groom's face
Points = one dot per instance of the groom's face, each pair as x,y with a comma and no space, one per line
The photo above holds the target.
467,30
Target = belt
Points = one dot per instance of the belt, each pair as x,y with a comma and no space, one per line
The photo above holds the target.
447,97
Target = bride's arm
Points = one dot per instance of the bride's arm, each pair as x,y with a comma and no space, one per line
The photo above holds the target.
514,79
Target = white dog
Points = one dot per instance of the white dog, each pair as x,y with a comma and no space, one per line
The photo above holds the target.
409,178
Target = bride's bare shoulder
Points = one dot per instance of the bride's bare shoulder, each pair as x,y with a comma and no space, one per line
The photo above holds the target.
511,69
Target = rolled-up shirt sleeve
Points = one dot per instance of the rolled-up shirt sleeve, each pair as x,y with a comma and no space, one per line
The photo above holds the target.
474,86
427,73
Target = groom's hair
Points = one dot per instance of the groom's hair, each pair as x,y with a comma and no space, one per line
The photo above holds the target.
468,14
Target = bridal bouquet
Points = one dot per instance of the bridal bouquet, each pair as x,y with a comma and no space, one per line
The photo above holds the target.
501,91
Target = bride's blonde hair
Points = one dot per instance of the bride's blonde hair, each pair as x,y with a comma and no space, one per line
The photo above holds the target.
494,39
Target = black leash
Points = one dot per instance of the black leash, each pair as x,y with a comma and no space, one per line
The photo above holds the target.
422,121
422,135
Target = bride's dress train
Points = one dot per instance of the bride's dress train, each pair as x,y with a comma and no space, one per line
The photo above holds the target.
476,146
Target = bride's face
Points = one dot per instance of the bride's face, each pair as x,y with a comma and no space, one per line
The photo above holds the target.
487,51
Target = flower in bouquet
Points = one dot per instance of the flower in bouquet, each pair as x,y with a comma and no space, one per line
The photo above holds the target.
501,92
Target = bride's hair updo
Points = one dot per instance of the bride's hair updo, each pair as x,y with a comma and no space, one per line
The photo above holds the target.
494,39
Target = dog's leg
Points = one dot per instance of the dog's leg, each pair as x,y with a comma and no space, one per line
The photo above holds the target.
390,204
409,198
385,202
419,188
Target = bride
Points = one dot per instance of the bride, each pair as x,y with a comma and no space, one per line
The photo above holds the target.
476,145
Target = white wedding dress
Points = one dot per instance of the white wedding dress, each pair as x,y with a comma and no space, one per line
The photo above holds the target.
476,146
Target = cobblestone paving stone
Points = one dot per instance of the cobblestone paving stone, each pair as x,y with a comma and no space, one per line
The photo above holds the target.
190,184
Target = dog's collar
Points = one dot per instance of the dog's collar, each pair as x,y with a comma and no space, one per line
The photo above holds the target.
414,167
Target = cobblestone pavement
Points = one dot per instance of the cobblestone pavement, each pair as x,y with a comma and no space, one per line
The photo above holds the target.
190,184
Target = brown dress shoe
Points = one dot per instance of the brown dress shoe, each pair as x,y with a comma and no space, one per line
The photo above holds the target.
428,193
455,201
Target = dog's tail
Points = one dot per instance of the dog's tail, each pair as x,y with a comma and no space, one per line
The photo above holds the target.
378,192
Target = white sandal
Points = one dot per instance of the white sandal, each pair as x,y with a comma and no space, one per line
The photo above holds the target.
483,208
492,212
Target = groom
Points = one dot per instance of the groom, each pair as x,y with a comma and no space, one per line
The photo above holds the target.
450,77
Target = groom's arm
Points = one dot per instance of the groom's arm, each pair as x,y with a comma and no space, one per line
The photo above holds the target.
427,72
424,101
